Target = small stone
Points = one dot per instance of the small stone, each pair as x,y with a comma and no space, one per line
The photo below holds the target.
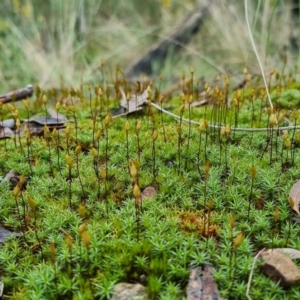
129,291
280,267
148,192
5,234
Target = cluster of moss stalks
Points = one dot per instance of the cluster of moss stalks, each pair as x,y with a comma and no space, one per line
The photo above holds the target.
222,192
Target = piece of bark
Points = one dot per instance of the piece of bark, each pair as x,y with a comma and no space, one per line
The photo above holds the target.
18,94
178,38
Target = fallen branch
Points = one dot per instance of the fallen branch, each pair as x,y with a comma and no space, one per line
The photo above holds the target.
179,37
17,95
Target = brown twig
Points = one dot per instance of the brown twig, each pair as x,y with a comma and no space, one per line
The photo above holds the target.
17,95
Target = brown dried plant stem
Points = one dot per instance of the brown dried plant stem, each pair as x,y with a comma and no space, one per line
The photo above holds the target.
190,100
33,207
137,133
233,258
209,207
17,191
206,173
199,153
28,144
69,162
73,110
27,134
179,133
202,128
126,128
48,138
272,124
253,176
154,138
137,205
77,152
161,97
106,122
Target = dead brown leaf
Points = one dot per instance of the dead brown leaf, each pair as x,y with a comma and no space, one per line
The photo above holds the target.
290,252
201,285
5,132
135,102
295,195
280,267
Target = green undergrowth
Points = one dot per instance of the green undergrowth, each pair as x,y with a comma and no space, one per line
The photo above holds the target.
221,195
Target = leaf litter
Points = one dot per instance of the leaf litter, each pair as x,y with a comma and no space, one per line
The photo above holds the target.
295,196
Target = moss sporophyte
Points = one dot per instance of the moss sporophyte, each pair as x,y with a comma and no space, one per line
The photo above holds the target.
221,173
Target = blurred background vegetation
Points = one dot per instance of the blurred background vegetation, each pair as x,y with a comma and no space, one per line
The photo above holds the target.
44,41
